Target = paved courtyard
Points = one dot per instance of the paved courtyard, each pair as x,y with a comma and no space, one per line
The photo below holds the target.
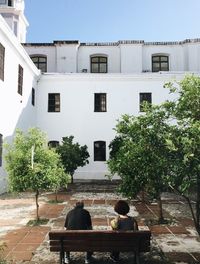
176,242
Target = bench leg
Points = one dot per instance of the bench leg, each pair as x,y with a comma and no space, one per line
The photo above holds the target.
137,257
62,258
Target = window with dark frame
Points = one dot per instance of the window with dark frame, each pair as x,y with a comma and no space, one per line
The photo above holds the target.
2,58
160,63
20,79
40,62
53,144
145,97
99,151
10,3
99,64
53,102
1,148
100,102
33,97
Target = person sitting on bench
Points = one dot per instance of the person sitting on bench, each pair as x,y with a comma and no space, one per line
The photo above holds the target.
122,222
78,219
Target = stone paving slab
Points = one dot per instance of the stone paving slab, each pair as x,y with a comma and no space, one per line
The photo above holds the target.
30,244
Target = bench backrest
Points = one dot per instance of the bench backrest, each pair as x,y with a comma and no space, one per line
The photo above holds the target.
84,240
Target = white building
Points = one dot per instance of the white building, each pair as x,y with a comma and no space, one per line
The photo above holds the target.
83,88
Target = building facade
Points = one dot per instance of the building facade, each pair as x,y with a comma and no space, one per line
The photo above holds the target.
81,89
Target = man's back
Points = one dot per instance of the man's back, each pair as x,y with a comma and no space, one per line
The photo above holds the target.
78,219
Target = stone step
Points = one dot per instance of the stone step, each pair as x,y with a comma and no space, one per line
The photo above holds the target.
93,186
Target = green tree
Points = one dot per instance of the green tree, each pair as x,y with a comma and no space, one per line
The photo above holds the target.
139,154
184,142
31,165
72,155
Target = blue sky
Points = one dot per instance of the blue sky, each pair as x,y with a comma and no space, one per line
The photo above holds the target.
112,20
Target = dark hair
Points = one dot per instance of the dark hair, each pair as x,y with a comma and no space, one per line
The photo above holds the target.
80,204
121,207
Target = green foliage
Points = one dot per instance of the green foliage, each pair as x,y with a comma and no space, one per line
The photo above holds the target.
46,170
36,170
72,155
161,148
139,153
185,172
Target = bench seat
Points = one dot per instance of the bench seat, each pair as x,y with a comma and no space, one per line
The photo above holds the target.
99,241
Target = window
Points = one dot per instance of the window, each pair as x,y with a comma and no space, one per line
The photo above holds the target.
99,151
100,102
54,102
33,97
160,63
53,143
40,62
20,79
9,2
1,149
2,55
99,64
145,97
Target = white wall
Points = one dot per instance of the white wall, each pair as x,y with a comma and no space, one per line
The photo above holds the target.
175,53
122,58
66,58
16,110
77,116
48,50
112,53
193,55
131,58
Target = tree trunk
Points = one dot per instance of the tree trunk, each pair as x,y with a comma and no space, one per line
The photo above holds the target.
194,216
72,179
37,205
198,205
56,195
160,210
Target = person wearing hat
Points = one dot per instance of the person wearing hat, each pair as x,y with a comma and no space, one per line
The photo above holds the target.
78,219
122,222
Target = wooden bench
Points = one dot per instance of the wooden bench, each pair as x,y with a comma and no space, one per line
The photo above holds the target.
100,241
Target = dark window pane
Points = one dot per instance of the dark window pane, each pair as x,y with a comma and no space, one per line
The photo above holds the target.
155,59
100,102
20,79
103,59
145,97
99,64
53,143
42,59
2,58
103,68
40,62
9,2
54,102
95,68
164,59
164,66
95,59
99,151
33,96
160,63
